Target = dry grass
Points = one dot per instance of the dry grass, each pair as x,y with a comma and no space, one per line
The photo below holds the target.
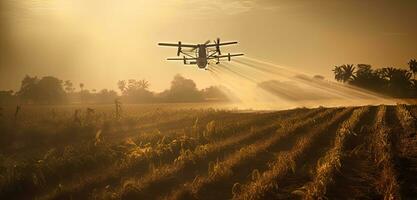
285,163
328,166
382,146
161,152
220,171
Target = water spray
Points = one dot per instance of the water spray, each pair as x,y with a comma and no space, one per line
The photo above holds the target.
259,84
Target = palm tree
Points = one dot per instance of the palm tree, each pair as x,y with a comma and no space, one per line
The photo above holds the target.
414,87
344,73
121,85
81,86
414,84
143,84
338,73
403,75
68,86
413,67
388,73
349,71
399,80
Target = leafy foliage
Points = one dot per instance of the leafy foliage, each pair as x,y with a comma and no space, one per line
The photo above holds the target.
389,80
51,90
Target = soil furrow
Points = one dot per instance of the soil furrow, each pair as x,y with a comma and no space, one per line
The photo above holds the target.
237,167
268,185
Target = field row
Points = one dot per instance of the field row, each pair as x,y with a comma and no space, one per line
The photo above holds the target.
336,153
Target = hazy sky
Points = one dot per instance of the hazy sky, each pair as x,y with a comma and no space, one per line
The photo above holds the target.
98,42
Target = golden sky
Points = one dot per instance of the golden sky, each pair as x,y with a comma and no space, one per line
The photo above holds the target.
98,42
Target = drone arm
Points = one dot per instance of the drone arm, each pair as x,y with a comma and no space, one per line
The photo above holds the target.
229,55
181,59
212,55
177,45
187,54
221,44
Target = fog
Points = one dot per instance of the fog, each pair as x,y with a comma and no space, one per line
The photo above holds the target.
100,42
256,84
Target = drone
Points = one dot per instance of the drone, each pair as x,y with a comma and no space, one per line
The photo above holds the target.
201,54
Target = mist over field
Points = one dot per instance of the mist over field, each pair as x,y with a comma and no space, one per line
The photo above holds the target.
99,43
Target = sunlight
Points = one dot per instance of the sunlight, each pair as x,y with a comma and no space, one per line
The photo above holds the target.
290,89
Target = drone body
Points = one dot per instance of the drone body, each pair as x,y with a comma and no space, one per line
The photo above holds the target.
201,54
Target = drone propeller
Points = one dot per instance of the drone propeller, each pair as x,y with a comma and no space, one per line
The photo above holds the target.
206,43
179,48
217,42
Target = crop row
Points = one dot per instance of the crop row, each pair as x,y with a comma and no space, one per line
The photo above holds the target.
330,164
138,155
286,162
192,159
220,172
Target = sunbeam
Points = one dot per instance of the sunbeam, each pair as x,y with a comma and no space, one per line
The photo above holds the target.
258,84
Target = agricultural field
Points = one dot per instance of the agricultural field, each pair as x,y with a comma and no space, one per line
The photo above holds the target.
184,151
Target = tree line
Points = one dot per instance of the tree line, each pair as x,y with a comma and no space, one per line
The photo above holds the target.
51,90
391,81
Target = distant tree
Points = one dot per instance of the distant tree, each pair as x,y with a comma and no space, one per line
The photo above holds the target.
51,90
414,85
344,73
349,71
214,93
366,77
81,86
338,73
182,90
413,67
48,90
414,88
389,80
136,91
106,96
68,86
143,84
137,85
131,84
122,85
388,73
399,82
28,89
